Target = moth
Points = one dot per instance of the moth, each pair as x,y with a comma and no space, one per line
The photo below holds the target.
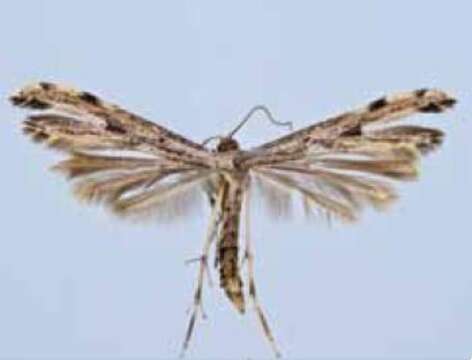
137,168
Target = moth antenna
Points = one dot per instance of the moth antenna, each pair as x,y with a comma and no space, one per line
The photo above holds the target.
267,112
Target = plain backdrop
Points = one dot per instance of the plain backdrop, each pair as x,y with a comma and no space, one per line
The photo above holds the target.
75,282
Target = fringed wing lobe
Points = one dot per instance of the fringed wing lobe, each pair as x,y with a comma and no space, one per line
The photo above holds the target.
340,182
396,169
78,120
167,199
81,164
67,133
329,192
163,174
346,161
313,196
135,187
380,111
278,200
424,139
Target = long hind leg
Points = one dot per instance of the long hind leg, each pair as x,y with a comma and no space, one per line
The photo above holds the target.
203,269
249,258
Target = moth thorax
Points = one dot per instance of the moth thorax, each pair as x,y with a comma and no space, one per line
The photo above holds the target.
227,144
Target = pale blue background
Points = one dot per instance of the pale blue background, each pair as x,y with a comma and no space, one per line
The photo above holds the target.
77,283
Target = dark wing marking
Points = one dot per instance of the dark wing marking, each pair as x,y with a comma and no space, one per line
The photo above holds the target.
380,111
424,139
76,121
163,175
344,162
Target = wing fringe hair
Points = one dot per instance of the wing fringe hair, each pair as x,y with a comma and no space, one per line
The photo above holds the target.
336,166
139,169
135,187
149,169
346,162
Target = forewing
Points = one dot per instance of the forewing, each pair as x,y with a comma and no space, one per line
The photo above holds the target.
133,166
357,122
349,161
77,120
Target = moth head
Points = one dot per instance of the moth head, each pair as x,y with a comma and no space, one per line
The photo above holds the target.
227,144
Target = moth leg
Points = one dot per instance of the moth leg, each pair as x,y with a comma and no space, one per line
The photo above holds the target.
249,259
203,268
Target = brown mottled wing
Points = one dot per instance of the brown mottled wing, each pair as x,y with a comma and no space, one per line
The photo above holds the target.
345,162
380,111
77,120
150,169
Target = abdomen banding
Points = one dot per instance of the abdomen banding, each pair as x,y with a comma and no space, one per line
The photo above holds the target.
228,247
